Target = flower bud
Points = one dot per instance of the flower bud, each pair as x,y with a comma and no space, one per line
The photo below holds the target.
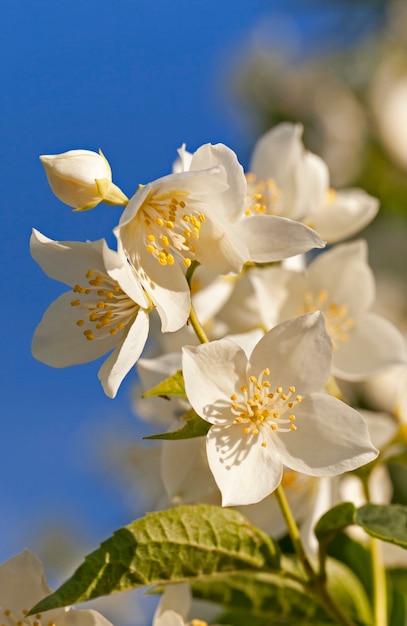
82,179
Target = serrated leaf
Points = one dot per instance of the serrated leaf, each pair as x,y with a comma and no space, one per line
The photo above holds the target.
334,520
387,522
194,427
181,544
171,386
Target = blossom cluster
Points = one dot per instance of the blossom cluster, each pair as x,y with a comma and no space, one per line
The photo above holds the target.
245,283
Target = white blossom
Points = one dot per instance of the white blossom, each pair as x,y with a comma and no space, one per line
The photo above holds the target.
341,284
285,179
267,411
106,309
23,585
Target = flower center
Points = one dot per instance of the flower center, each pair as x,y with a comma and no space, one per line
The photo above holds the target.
104,307
338,322
172,224
257,407
9,619
262,196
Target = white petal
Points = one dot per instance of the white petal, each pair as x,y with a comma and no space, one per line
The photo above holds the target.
88,617
323,500
382,427
168,618
271,238
244,470
201,184
301,176
185,471
118,268
277,153
247,341
352,210
344,272
272,286
67,261
153,371
331,438
241,311
297,352
211,373
167,288
183,162
22,583
299,490
312,182
232,201
174,605
72,176
220,246
210,292
59,342
373,344
119,363
82,166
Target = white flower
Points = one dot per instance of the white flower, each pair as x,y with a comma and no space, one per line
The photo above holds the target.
168,224
81,179
106,309
285,179
198,215
22,585
267,238
339,283
266,411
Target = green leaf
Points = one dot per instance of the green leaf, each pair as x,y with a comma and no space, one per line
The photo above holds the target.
260,599
387,522
397,584
172,386
194,427
333,521
348,592
356,556
398,613
181,544
398,577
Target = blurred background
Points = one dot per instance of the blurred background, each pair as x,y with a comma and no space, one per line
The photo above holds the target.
137,79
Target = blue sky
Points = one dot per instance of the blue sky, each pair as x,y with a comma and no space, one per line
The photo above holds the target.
136,79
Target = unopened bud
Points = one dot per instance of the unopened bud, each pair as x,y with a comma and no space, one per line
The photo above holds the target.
82,179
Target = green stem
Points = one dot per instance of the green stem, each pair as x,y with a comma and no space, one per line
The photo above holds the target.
378,572
293,531
190,272
193,318
196,325
379,583
315,582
